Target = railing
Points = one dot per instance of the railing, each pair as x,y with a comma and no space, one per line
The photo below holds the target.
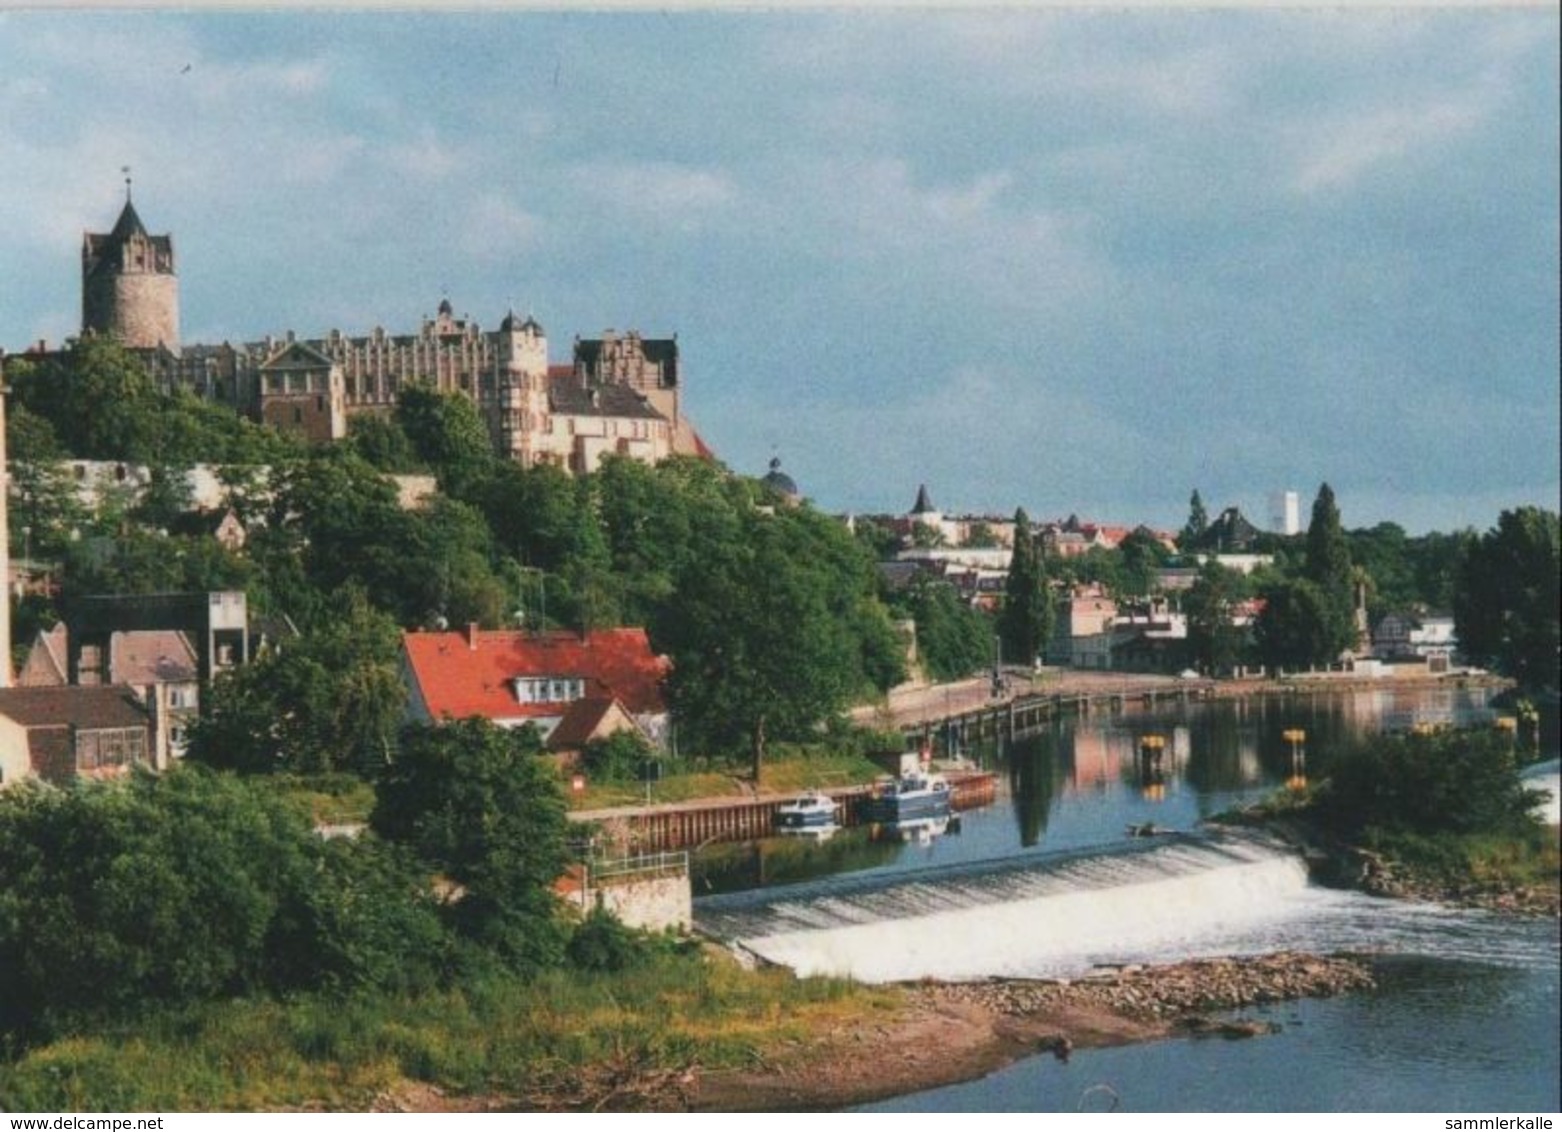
643,865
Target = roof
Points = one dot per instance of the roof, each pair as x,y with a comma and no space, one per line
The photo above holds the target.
47,665
462,674
569,398
580,723
127,227
779,480
154,656
91,707
297,355
659,352
923,505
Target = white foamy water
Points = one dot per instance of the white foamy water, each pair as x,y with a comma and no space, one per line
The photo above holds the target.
1060,916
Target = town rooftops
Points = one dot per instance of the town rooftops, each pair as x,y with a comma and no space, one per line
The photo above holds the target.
456,675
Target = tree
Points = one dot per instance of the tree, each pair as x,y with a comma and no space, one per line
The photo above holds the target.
448,434
477,804
1297,628
332,700
774,630
1506,605
1141,555
189,885
45,510
1328,567
1197,524
953,640
1025,622
1216,643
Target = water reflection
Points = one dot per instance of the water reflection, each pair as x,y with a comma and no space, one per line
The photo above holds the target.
1081,782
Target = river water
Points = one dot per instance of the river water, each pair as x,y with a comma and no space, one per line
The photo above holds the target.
1046,882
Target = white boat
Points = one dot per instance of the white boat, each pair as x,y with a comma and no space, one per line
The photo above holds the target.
915,794
813,810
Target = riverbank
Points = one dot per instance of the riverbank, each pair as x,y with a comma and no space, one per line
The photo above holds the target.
952,1032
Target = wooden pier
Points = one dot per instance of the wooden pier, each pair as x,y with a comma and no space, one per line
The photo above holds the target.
687,825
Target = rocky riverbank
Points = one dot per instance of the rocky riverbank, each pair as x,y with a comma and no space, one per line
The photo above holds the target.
952,1032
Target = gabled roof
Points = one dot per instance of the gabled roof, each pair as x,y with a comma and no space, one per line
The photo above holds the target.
297,355
462,674
47,665
582,719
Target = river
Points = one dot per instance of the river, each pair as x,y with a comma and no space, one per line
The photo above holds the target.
1046,882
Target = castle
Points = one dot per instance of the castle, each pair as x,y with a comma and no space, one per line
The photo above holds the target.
619,395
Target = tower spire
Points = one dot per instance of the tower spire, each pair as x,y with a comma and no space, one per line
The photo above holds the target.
125,169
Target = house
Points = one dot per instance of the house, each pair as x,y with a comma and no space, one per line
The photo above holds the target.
221,524
1081,636
572,686
158,665
61,734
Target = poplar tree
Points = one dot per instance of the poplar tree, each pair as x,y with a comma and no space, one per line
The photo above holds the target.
1328,566
1198,523
1026,620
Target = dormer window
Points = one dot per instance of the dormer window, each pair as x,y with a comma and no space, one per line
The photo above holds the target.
548,689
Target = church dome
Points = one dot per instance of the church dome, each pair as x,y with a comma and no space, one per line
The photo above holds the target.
780,481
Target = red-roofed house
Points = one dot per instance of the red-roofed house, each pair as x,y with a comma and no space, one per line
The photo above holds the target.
570,685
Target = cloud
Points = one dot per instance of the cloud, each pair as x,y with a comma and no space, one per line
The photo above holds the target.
1339,153
497,227
663,193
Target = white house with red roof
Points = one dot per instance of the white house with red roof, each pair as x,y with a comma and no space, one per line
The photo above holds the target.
572,686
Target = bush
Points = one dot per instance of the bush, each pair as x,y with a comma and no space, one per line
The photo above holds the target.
1450,782
603,943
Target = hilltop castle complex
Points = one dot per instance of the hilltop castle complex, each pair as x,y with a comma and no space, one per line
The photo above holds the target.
620,393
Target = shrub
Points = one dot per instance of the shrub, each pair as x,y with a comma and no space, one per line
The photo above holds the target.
1450,782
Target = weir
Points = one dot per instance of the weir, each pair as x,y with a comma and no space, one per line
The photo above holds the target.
1043,914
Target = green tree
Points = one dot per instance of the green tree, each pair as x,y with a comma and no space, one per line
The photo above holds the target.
1506,604
1217,644
1198,523
45,510
1297,627
773,632
382,442
1328,567
953,640
1141,555
448,434
478,805
331,700
189,885
1025,621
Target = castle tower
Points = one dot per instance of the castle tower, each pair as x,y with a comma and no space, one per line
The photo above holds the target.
129,291
523,388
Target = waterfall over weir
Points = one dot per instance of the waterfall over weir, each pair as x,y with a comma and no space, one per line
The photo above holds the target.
1162,897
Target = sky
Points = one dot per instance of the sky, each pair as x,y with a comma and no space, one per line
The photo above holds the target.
1079,261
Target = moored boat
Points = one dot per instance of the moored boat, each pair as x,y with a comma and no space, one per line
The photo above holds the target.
915,794
813,810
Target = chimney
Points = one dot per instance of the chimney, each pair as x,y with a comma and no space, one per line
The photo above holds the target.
471,635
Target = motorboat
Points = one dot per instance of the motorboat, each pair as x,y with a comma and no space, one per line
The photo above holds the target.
915,794
814,810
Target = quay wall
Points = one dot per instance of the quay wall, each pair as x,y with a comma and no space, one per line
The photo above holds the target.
688,825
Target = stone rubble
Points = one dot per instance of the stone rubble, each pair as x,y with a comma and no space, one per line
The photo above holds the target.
1183,990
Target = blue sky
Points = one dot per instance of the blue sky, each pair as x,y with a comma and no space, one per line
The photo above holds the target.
1076,261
